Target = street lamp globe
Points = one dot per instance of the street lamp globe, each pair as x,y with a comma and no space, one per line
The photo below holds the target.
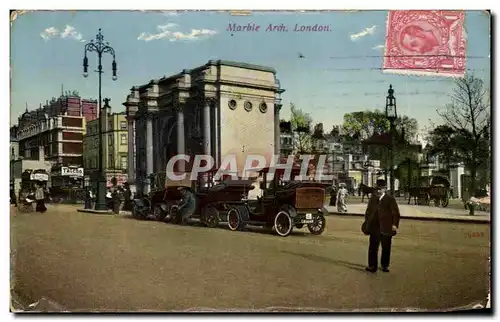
114,77
85,74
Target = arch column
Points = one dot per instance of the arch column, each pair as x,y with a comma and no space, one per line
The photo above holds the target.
181,148
131,149
149,150
207,148
277,145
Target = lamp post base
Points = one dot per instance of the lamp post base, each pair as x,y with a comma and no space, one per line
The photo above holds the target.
101,194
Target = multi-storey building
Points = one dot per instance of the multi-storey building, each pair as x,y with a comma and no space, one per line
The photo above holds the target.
56,130
115,147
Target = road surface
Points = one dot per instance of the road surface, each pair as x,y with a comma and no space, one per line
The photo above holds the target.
113,263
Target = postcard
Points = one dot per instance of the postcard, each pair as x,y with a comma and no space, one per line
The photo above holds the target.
250,161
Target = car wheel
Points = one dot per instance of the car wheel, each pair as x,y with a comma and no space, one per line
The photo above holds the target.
173,215
158,213
136,213
211,217
234,221
318,226
283,223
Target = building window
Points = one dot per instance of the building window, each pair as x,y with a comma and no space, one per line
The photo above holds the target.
110,139
123,162
111,163
248,106
232,104
263,107
13,151
123,139
123,125
110,126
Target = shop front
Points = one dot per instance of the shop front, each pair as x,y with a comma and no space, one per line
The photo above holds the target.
31,178
68,184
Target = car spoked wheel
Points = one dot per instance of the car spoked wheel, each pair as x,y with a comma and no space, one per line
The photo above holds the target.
233,219
136,212
173,215
158,213
283,224
211,218
318,225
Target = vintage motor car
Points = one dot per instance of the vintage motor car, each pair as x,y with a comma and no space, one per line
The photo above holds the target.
213,198
281,205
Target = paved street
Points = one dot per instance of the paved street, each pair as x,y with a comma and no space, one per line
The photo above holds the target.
105,262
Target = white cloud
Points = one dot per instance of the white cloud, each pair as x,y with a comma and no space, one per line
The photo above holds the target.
49,33
68,33
365,32
168,32
378,47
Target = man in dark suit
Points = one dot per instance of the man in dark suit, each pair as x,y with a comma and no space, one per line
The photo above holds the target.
381,223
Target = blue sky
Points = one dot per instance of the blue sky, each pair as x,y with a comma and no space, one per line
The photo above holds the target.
338,74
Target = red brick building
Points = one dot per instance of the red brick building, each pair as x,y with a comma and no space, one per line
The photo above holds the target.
58,127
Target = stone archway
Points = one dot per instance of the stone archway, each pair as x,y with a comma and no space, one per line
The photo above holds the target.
168,147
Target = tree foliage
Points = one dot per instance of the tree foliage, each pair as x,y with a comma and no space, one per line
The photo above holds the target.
366,123
361,125
301,126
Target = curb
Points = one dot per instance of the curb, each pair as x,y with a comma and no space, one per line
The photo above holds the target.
450,219
92,211
103,212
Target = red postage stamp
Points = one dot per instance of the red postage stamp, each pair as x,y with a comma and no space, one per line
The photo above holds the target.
425,42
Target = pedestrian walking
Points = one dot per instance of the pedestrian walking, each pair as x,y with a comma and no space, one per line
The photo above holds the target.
115,201
13,198
40,199
88,199
341,196
333,196
381,224
127,197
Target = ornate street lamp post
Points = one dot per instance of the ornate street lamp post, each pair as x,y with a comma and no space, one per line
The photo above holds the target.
391,115
100,47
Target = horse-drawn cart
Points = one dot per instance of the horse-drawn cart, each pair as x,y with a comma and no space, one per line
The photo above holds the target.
435,188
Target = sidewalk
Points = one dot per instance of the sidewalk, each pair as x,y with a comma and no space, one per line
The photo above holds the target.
420,213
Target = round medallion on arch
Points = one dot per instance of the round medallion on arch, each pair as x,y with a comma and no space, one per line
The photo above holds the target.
248,106
263,107
232,104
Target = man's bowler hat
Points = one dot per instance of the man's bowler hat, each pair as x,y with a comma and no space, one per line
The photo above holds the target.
381,183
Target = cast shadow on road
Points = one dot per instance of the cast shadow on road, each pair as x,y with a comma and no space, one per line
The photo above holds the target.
223,226
322,259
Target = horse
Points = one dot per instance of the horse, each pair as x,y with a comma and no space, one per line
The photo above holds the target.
364,190
415,193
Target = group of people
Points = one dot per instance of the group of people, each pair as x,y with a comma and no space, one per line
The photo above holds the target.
27,197
114,198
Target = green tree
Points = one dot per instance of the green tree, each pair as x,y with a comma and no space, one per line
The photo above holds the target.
440,143
363,124
367,123
301,126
